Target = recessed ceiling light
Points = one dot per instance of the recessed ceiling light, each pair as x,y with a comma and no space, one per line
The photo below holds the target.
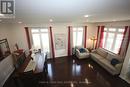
19,22
51,20
1,14
114,20
86,16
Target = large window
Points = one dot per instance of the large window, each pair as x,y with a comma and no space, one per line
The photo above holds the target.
112,39
77,36
40,39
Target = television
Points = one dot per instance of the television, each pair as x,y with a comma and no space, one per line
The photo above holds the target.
4,49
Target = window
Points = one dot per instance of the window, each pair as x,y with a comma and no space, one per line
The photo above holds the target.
77,36
40,39
112,39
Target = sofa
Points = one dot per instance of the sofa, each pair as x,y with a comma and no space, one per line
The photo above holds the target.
105,58
82,55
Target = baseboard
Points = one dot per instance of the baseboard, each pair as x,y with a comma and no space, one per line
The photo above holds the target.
61,57
58,57
122,77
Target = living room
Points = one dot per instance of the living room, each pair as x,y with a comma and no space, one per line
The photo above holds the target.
60,29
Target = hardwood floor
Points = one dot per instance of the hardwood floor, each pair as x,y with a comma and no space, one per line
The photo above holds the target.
72,72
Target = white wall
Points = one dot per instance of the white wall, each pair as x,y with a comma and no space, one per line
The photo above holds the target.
18,35
114,23
4,29
60,29
6,65
91,31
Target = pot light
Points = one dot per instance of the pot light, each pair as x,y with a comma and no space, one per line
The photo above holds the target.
114,20
51,20
86,16
1,14
20,22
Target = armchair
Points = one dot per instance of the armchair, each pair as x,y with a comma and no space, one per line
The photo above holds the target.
82,55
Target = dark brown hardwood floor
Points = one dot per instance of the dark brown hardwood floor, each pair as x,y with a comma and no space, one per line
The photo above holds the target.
72,72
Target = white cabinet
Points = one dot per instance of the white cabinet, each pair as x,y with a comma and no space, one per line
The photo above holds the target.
6,68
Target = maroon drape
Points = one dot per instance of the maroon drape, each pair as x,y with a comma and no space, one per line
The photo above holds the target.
52,45
125,39
126,27
101,36
69,44
128,39
97,37
28,37
85,36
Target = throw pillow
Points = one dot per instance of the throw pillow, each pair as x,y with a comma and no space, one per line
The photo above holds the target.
82,50
114,61
110,56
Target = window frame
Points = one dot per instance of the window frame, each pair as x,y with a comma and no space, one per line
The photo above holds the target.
116,33
77,30
40,35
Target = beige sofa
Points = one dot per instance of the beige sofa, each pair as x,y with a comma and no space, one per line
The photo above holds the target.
104,57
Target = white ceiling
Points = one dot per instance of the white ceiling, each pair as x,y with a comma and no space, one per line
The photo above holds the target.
67,11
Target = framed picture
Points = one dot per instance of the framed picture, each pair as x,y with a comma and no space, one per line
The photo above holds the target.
4,49
60,41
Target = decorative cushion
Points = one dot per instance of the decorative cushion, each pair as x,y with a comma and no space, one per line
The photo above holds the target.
118,66
101,52
110,56
114,61
82,50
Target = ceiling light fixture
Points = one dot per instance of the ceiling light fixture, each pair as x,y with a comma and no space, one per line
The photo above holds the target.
114,20
1,14
51,20
86,16
20,22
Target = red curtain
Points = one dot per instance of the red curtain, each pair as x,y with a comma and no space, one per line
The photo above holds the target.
101,36
97,37
52,45
69,44
128,39
85,36
28,37
125,42
126,27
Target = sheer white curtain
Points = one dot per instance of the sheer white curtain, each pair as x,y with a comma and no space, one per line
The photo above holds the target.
41,39
112,39
78,33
